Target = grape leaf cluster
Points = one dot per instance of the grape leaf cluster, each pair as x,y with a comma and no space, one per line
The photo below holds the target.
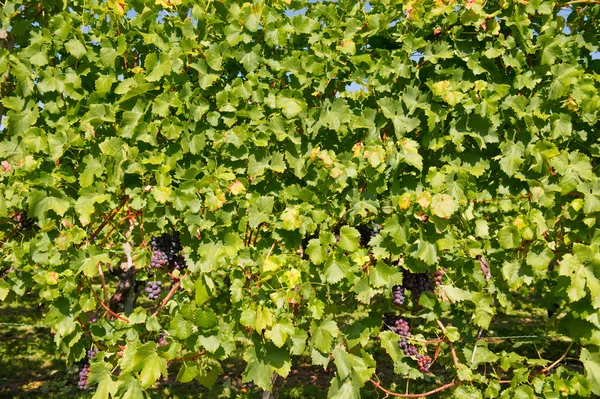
166,250
153,289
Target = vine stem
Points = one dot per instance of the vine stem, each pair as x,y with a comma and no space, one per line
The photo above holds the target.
386,129
174,277
528,196
104,287
188,359
577,2
118,316
10,235
269,253
412,395
108,219
560,359
114,227
450,343
258,231
169,295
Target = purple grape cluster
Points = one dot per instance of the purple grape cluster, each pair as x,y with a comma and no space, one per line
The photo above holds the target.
84,368
367,232
159,259
153,289
401,327
398,295
93,317
397,325
166,250
417,283
179,262
83,377
91,353
24,221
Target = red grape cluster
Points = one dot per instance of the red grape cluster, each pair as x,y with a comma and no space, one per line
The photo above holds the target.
437,276
24,221
153,289
162,340
424,362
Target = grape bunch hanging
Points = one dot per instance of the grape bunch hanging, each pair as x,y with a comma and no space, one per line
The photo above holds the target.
400,326
84,368
417,284
162,340
398,295
24,221
368,232
153,289
166,251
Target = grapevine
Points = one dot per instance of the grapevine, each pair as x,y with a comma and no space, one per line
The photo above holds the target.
199,186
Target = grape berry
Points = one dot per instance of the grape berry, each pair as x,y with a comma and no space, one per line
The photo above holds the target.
93,317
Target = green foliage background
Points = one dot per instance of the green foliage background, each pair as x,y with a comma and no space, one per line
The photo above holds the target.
473,132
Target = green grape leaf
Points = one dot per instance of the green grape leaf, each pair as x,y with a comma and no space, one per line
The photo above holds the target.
349,237
509,237
323,334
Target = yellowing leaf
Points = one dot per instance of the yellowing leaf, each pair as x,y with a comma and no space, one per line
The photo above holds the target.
162,194
290,218
168,3
424,200
237,187
443,205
